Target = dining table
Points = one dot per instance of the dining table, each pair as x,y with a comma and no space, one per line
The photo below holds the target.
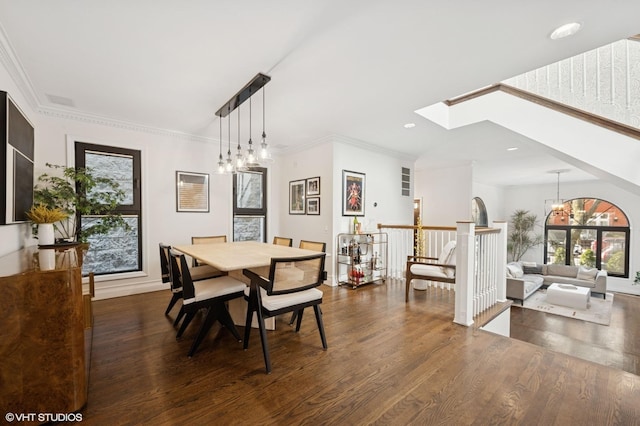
234,257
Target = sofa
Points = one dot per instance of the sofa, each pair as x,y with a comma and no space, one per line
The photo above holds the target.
524,278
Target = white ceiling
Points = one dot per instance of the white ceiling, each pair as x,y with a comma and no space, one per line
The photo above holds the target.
353,68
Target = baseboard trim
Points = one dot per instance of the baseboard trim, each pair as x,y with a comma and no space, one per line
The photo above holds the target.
129,289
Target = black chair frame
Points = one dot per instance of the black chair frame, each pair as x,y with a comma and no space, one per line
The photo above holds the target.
255,304
216,307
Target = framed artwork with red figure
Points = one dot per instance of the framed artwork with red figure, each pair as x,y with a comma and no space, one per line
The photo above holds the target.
353,193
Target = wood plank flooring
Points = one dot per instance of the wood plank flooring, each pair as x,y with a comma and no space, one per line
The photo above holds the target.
616,345
388,363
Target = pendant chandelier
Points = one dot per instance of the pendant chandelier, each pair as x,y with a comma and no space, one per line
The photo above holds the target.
557,207
243,159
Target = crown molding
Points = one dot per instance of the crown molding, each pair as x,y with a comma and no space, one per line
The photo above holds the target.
17,73
347,141
64,114
373,148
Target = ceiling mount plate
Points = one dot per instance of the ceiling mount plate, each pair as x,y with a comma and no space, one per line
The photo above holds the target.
245,93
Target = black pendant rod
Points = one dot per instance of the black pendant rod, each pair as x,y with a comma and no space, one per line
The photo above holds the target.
245,93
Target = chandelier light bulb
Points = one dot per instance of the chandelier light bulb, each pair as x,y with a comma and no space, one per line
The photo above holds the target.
220,164
251,156
263,147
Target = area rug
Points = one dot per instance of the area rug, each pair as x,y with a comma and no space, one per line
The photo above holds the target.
598,310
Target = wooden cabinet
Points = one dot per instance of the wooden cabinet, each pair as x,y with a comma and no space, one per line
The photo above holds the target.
361,258
42,342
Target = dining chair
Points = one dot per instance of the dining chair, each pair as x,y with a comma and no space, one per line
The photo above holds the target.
309,245
198,273
313,245
207,240
281,241
208,294
289,288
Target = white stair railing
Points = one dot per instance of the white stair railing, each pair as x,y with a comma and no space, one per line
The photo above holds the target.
480,278
402,240
481,256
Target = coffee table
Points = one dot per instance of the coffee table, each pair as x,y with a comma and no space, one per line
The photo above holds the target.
568,295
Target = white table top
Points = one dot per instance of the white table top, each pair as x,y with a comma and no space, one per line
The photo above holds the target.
232,256
569,288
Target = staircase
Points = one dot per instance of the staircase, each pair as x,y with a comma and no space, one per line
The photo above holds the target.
585,108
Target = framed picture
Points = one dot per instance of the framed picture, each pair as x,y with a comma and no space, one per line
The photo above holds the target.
192,192
313,186
353,191
296,197
313,205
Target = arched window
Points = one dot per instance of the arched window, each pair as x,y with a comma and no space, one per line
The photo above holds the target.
589,232
479,212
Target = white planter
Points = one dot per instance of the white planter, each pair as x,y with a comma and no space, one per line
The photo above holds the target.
47,259
45,234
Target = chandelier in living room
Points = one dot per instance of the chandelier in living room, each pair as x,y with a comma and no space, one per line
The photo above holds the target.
557,206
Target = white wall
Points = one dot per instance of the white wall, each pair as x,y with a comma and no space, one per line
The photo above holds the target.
313,162
16,236
493,197
162,155
446,195
327,160
532,198
382,187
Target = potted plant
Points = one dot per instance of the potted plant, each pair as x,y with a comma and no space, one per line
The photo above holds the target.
521,236
79,192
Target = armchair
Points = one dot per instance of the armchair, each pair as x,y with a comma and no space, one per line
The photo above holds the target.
441,268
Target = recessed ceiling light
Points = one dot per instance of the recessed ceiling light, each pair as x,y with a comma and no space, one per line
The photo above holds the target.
513,148
565,30
409,125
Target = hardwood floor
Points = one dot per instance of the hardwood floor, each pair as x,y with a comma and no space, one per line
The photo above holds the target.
616,345
388,363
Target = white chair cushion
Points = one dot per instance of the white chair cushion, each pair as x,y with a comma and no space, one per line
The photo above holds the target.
215,287
273,303
446,253
428,270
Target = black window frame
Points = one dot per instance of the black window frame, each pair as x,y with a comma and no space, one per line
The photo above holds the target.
135,209
600,229
239,211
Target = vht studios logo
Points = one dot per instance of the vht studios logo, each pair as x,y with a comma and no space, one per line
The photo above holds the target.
43,417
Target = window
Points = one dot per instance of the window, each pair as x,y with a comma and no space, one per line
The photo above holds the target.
249,205
120,250
589,232
479,212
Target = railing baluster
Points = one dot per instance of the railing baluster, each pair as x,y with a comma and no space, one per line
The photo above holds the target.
485,273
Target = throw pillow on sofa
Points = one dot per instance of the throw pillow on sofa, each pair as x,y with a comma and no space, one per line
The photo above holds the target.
561,270
588,274
537,269
514,270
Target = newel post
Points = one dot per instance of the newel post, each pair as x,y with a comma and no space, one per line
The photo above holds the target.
465,256
501,261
